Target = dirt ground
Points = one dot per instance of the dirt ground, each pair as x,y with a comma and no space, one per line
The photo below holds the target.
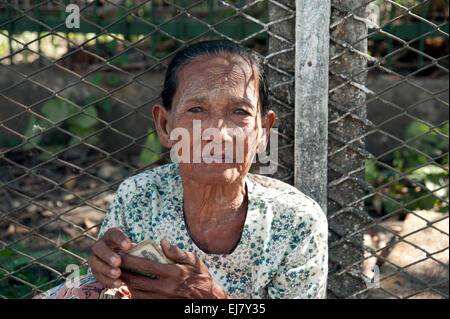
412,257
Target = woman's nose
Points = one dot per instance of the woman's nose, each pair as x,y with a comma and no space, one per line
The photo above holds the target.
218,127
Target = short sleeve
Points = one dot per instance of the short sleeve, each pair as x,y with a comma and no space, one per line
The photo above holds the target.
115,215
303,273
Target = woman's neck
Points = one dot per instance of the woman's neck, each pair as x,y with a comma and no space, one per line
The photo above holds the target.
215,214
210,206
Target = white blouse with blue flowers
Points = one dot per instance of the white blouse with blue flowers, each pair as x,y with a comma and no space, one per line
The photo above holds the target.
283,249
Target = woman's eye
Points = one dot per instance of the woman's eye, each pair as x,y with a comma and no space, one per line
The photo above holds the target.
196,109
241,112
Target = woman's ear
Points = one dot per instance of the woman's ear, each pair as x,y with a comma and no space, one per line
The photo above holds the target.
161,119
268,121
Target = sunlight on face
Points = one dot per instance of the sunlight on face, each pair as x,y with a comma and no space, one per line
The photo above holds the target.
216,98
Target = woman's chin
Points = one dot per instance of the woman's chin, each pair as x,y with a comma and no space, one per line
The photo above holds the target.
213,173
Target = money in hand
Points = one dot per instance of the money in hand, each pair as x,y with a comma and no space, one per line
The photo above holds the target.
151,251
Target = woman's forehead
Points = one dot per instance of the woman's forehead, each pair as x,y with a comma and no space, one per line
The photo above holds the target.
215,74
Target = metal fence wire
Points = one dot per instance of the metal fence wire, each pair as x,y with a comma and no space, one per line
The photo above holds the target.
75,121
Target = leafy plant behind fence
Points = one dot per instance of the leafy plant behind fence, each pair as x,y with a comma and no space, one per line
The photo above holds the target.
408,180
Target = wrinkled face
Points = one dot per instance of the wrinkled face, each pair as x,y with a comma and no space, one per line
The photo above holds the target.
217,104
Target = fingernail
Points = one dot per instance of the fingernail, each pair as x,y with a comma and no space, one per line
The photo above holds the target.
117,283
124,243
114,272
115,259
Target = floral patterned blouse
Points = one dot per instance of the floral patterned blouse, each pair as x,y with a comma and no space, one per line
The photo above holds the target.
282,252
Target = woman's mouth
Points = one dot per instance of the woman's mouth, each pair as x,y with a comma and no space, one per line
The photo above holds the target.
217,159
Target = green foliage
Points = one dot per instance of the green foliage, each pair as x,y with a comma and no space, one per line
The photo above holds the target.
104,105
99,77
434,178
9,140
60,113
120,60
114,80
63,113
153,143
428,141
11,260
418,179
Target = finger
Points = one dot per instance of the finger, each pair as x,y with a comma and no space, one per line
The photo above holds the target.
139,294
126,290
103,252
144,265
138,282
176,254
101,267
108,282
116,239
102,278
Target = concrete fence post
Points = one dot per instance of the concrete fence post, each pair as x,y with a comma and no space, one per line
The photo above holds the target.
311,98
317,58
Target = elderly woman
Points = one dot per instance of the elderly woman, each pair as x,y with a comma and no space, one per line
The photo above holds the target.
229,233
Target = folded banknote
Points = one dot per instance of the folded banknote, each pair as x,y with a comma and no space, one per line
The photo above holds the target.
149,250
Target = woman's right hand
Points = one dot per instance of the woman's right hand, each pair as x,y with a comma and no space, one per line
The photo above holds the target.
104,261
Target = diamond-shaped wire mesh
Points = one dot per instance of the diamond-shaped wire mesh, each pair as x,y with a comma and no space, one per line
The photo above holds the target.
76,121
78,118
388,149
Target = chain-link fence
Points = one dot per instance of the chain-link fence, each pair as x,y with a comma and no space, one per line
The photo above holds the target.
76,120
388,149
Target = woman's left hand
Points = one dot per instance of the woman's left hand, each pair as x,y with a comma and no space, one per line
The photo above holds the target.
188,277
